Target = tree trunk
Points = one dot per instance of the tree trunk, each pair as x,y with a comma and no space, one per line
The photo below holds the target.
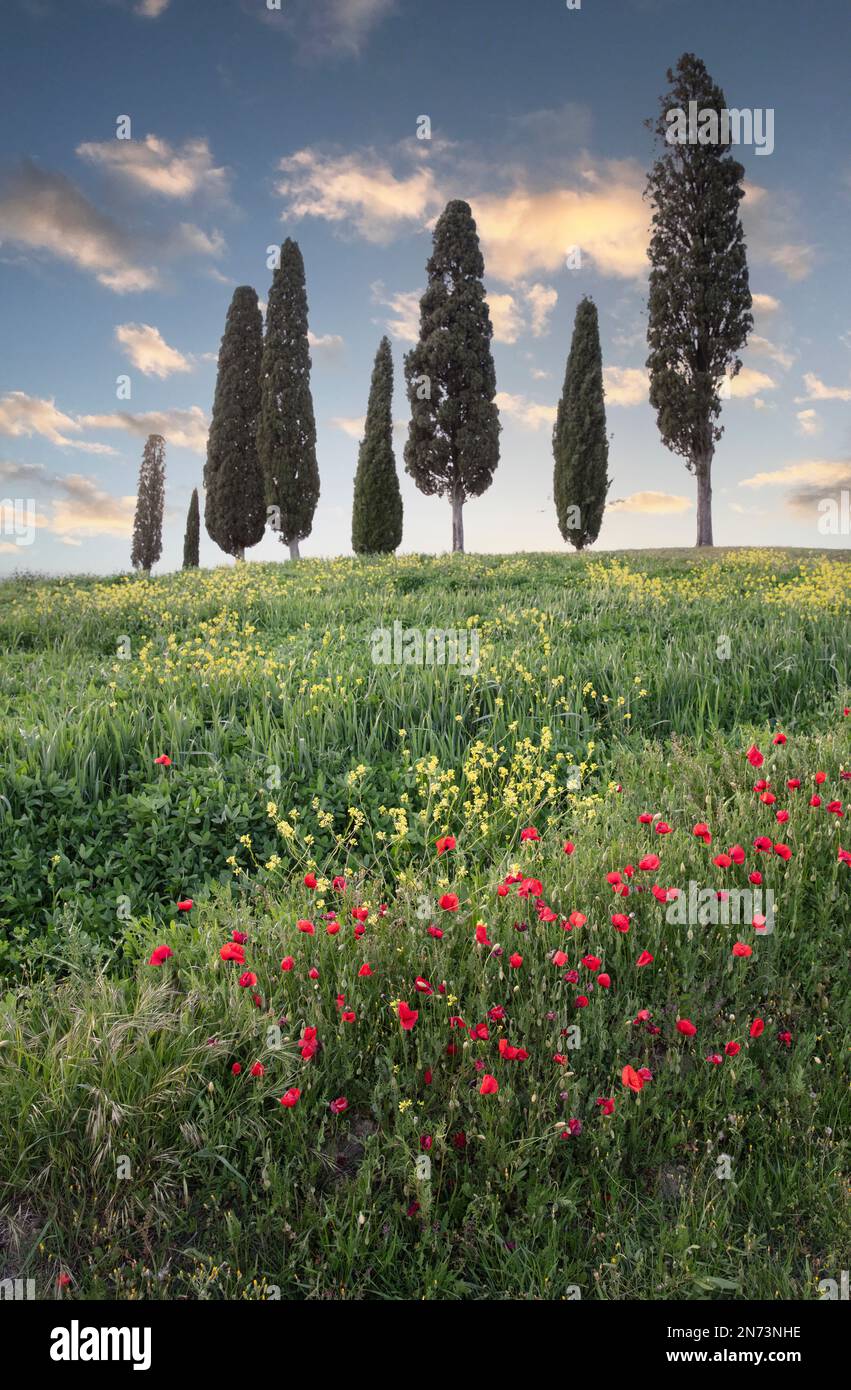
703,470
458,523
239,554
294,553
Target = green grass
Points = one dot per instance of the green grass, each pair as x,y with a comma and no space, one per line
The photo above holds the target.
608,686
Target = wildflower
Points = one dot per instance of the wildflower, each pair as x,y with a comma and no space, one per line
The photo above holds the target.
310,880
742,950
591,962
620,922
366,969
338,1106
530,833
247,980
754,757
258,1069
163,760
644,959
449,902
185,905
233,951
686,1027
604,981
606,1104
445,843
757,1028
160,955
663,828
489,1086
631,1079
306,927
715,1058
407,1017
569,847
236,1068
287,963
290,1097
732,1049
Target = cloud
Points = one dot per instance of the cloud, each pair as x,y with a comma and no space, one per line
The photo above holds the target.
765,304
352,425
404,320
152,9
626,385
148,350
529,415
358,189
185,429
22,416
763,347
506,317
524,231
771,233
152,165
323,28
79,505
813,472
651,503
329,345
749,382
542,299
808,422
43,211
817,391
796,260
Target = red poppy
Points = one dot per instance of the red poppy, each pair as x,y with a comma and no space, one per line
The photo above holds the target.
449,902
446,842
366,969
783,852
620,922
348,1016
715,1058
258,1069
287,963
247,980
644,959
163,760
338,1106
306,927
489,1086
757,1028
569,847
604,980
779,738
649,861
755,758
663,828
559,958
310,880
606,1104
577,919
338,884
701,831
530,888
185,905
581,1001
63,1280
481,934
722,861
645,818
530,833
332,928
732,1049
233,951
360,914
591,962
290,1097
160,955
631,1079
515,961
742,950
236,1068
686,1027
407,1017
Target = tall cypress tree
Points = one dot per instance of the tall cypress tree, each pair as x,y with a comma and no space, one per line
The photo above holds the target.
235,506
150,498
192,536
377,508
699,301
580,446
453,439
286,436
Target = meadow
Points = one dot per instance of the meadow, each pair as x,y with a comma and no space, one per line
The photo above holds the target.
437,1017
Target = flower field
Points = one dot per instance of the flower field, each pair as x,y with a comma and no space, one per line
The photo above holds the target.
325,978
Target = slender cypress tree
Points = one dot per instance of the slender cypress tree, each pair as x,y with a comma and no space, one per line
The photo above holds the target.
700,301
193,534
286,436
235,506
453,439
148,521
580,446
377,508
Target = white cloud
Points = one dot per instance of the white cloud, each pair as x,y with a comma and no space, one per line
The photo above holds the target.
542,299
352,425
404,306
749,382
765,304
152,9
817,391
651,503
43,211
529,415
154,166
23,416
763,347
506,317
185,429
148,350
328,345
359,189
323,28
625,385
808,422
817,472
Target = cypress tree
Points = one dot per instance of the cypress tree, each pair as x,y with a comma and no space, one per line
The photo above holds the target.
286,436
580,447
699,300
193,534
235,505
148,521
453,439
377,508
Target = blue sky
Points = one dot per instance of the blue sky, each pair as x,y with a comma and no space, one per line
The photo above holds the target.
118,257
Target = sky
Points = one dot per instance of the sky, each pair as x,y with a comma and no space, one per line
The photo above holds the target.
249,123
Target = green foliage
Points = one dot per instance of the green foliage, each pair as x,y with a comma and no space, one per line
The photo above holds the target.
234,510
699,306
453,438
580,446
192,537
286,437
377,507
150,499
